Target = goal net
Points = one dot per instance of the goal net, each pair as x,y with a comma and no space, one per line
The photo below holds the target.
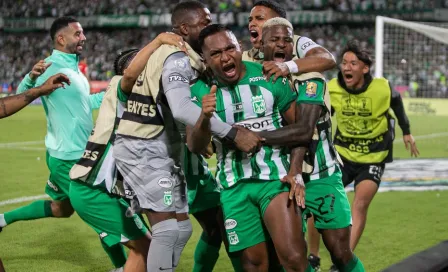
412,56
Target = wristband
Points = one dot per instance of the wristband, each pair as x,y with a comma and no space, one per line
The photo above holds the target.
231,135
292,66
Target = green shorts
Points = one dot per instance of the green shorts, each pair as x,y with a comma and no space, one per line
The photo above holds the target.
58,183
203,193
110,216
244,205
327,201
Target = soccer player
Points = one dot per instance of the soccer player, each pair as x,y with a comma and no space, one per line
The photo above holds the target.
365,129
325,198
12,104
308,56
148,143
254,200
68,113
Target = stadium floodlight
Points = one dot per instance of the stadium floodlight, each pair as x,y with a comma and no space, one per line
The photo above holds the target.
412,55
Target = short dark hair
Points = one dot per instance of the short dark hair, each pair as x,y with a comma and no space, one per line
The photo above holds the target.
210,30
59,24
362,54
182,9
276,7
123,59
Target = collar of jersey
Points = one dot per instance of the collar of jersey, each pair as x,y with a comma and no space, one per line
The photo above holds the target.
69,60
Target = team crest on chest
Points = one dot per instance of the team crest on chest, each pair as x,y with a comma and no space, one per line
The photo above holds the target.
258,104
311,89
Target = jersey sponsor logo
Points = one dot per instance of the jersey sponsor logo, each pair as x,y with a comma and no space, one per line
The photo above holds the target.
255,79
258,104
230,224
307,44
311,89
52,186
177,77
168,198
256,125
89,155
233,238
180,63
237,107
165,183
141,108
103,235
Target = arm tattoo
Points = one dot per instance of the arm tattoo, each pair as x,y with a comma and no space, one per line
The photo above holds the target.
12,104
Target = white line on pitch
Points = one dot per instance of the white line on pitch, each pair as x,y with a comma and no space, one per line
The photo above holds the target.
426,136
21,143
22,199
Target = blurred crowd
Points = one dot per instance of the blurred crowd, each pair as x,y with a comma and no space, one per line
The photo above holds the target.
56,8
423,71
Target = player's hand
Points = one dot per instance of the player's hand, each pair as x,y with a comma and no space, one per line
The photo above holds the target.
247,141
209,102
172,39
53,83
276,69
409,142
208,152
297,189
38,69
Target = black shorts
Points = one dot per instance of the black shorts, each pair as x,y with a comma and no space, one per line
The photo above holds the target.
352,171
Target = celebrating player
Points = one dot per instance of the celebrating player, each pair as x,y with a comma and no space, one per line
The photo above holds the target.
365,129
148,143
254,200
325,198
309,56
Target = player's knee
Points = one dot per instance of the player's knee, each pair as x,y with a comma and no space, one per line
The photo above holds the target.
341,256
253,263
294,261
361,205
61,209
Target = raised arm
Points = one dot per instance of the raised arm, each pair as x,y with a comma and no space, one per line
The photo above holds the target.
12,104
311,58
138,64
29,81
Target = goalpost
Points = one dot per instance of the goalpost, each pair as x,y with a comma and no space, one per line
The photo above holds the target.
412,56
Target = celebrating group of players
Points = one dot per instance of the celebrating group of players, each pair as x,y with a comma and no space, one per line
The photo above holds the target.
266,113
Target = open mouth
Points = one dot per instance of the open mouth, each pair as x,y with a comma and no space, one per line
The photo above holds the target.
279,56
254,36
79,46
229,70
348,78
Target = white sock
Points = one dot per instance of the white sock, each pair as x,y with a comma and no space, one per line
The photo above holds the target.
2,221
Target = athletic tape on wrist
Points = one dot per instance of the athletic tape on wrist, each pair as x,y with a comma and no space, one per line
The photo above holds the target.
292,66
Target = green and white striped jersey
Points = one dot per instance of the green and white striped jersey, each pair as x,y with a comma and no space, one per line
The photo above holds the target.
193,164
257,105
321,154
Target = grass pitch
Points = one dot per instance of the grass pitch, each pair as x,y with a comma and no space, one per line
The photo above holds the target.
399,223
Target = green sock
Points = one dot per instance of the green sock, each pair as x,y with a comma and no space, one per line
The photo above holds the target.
235,259
205,255
116,254
37,209
354,265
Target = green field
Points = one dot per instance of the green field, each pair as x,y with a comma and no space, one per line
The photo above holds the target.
399,223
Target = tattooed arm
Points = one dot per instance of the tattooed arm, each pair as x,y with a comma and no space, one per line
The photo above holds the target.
12,104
